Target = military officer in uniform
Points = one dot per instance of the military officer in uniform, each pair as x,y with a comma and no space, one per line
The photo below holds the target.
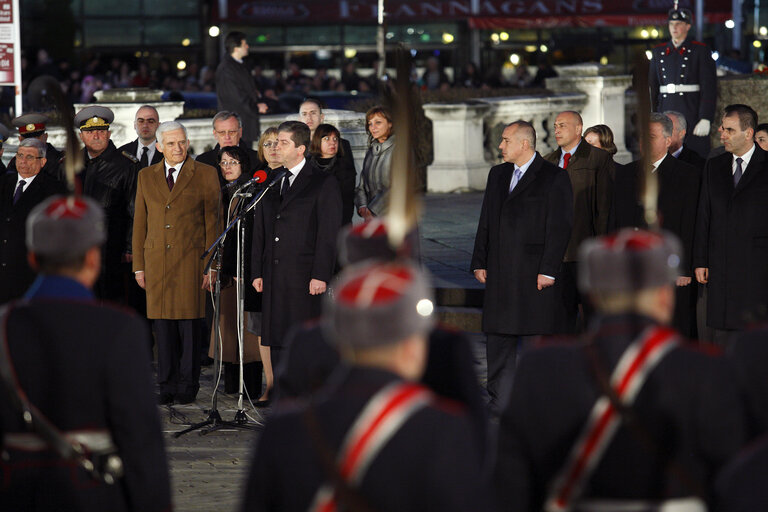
682,78
423,459
108,176
84,366
661,414
33,126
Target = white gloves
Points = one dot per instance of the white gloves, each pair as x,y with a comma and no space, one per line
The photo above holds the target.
702,128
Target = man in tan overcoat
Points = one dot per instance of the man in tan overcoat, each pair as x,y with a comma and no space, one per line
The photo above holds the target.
176,219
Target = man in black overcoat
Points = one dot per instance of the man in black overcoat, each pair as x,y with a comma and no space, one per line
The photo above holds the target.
524,228
591,171
678,149
682,425
20,192
682,78
294,240
678,199
85,366
424,459
731,242
228,131
235,88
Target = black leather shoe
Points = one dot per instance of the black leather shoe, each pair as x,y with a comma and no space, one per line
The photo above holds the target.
263,403
185,398
165,398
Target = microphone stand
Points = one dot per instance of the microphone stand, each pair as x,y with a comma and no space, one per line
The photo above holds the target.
213,421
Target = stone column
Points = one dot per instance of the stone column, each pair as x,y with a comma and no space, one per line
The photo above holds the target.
457,131
605,90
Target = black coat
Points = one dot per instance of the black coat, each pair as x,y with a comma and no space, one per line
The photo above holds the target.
54,163
677,206
343,169
732,240
294,241
519,236
748,354
212,158
110,179
15,273
132,148
85,366
591,171
688,406
741,485
236,92
690,64
430,464
689,156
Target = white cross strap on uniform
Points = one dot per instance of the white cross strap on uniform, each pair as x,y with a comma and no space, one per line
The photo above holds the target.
629,375
675,88
377,423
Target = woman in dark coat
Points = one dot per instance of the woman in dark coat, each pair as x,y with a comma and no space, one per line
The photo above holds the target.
327,154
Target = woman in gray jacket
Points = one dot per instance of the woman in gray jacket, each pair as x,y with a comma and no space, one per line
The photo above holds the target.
371,194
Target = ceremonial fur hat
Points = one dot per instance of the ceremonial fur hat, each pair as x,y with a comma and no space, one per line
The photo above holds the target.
677,14
629,260
94,117
375,304
65,226
31,125
368,240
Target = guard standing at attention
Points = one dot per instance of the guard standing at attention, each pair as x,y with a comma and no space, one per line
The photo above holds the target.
682,78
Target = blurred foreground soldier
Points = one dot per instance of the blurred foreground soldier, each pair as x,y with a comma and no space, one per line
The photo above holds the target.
375,440
677,203
741,485
630,416
177,219
19,193
235,89
731,243
108,176
32,126
682,78
522,235
92,385
143,149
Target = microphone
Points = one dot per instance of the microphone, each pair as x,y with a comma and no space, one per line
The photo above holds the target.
258,177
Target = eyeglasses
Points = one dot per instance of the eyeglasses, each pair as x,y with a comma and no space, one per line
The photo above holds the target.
228,163
28,158
227,133
270,144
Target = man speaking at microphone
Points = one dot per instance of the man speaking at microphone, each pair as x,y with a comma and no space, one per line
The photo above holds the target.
294,239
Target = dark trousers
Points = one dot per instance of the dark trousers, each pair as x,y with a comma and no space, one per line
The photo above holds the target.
723,337
502,352
574,320
704,332
178,355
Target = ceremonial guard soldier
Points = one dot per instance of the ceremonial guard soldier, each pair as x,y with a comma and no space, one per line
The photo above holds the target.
682,78
33,126
629,416
79,428
375,439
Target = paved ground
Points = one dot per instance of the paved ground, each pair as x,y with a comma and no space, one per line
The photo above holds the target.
208,471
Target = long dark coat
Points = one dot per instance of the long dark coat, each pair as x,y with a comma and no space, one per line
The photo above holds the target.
236,92
591,171
15,273
732,240
677,206
171,231
688,406
519,236
294,241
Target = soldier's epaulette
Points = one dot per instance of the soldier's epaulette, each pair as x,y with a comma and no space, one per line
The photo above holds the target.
698,43
660,45
130,157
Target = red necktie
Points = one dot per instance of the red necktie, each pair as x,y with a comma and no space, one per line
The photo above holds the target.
566,157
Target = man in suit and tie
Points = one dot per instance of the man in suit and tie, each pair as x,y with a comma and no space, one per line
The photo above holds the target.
143,149
524,228
21,191
177,218
678,149
731,241
32,126
591,172
294,240
677,204
228,131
